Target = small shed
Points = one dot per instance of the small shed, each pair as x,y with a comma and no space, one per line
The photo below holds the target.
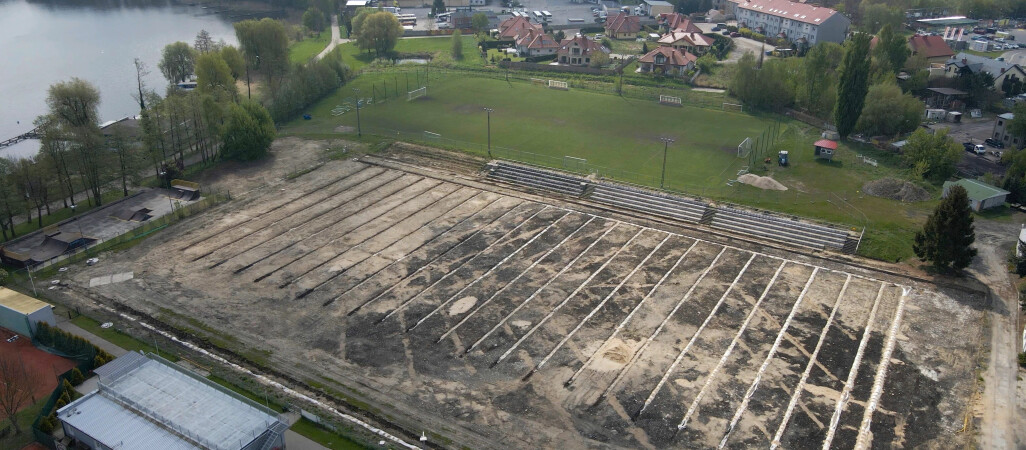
20,313
981,195
825,149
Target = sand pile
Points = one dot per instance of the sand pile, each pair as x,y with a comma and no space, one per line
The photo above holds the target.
761,182
896,189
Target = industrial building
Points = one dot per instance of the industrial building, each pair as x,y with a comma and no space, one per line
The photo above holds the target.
981,195
20,313
146,402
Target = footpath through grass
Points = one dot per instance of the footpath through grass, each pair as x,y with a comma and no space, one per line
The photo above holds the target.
306,49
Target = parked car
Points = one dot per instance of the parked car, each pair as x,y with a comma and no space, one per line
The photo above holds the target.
726,32
716,28
994,143
735,34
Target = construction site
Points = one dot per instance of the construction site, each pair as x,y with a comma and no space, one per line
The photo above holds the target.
490,306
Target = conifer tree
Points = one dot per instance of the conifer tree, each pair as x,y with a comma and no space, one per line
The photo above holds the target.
947,238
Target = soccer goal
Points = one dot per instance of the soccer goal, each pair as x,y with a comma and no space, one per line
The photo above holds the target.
555,84
733,107
670,100
432,136
416,93
744,148
575,164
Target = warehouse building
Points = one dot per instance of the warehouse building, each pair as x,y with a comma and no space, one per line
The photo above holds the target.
20,313
981,195
146,402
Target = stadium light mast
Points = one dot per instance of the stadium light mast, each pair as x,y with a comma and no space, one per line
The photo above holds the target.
489,112
359,130
666,145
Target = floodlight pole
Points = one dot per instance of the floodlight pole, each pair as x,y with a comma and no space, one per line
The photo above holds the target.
359,130
489,112
666,145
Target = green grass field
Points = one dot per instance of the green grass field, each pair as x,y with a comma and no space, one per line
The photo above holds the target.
323,436
439,47
622,135
302,51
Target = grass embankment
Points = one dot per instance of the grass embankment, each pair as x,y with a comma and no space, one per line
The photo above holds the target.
623,135
119,338
323,436
306,49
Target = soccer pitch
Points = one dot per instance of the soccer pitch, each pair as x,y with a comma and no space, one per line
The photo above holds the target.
615,132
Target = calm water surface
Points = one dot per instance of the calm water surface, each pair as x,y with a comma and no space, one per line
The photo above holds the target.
44,42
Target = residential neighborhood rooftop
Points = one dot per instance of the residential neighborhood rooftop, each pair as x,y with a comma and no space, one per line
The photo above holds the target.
801,12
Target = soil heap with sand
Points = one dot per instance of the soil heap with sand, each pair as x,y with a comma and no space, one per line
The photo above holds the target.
895,189
761,182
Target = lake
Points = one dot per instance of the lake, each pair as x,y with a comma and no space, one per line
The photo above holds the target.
51,41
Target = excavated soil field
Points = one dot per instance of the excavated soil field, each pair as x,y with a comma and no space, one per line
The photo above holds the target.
495,318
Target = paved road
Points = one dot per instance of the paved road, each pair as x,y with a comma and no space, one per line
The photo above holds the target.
741,45
336,38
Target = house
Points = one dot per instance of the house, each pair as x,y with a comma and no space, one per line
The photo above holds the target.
667,60
1001,70
515,26
146,402
933,48
793,20
536,42
824,149
677,21
653,8
22,314
623,26
1002,135
981,195
696,43
577,51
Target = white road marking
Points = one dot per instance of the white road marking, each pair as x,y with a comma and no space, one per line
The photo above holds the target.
865,437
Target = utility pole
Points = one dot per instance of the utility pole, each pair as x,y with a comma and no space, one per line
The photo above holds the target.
489,112
666,145
359,130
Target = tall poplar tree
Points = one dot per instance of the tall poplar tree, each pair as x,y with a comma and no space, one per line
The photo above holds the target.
853,84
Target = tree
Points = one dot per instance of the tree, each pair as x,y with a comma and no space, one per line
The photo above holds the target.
376,30
888,112
248,133
457,45
1017,126
15,388
979,85
947,237
931,155
313,20
878,15
265,46
214,77
852,84
480,22
73,104
437,7
176,62
204,43
816,89
599,59
140,73
235,61
892,48
127,157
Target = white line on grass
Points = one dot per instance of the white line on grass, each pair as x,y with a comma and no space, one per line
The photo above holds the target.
845,394
769,357
631,314
730,349
537,291
865,438
808,368
602,303
490,270
694,337
514,280
566,300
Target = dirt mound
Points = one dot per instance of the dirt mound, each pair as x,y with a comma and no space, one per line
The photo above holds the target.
896,189
761,182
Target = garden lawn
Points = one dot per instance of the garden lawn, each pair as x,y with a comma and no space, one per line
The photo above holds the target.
304,50
439,47
622,136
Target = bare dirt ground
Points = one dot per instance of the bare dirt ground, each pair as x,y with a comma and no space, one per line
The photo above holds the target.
493,318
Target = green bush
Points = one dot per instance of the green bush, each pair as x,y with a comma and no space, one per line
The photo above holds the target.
1022,359
76,377
47,424
61,402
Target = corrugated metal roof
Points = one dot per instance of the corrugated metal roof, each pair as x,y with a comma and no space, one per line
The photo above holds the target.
20,302
977,190
117,427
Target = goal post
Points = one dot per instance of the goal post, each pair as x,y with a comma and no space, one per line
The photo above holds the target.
670,100
733,107
744,148
556,84
416,93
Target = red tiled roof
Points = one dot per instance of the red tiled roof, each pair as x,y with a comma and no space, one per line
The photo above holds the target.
694,39
790,10
826,143
929,46
587,45
678,21
673,56
623,23
513,26
535,39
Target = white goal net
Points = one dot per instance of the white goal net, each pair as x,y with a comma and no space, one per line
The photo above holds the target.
669,100
744,148
555,84
416,93
734,107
